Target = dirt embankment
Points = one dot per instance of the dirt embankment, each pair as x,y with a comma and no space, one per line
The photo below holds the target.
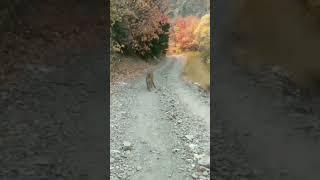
281,32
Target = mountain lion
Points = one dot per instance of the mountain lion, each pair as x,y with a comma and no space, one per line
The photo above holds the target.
150,81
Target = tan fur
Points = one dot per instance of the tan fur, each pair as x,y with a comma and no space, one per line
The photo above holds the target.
150,81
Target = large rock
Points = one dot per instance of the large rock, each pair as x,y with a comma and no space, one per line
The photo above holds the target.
127,145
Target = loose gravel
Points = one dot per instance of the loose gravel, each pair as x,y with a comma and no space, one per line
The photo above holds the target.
154,135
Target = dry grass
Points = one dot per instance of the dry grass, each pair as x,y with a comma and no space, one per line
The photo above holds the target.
197,71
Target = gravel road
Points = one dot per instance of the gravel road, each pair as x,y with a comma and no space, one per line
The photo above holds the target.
163,134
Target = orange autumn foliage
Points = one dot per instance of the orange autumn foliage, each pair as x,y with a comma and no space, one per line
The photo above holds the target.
182,36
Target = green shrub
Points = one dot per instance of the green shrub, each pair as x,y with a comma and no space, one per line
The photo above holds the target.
160,46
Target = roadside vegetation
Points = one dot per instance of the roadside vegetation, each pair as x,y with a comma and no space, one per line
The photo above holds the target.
190,36
197,71
139,28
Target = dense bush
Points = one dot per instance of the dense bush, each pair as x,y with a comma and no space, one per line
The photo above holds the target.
183,32
140,26
159,46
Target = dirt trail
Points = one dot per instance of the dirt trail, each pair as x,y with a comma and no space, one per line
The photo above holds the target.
148,129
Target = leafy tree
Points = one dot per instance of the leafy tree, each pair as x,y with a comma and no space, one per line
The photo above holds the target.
191,34
202,36
159,46
183,33
138,26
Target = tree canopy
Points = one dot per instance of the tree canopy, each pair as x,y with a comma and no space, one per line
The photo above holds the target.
138,26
